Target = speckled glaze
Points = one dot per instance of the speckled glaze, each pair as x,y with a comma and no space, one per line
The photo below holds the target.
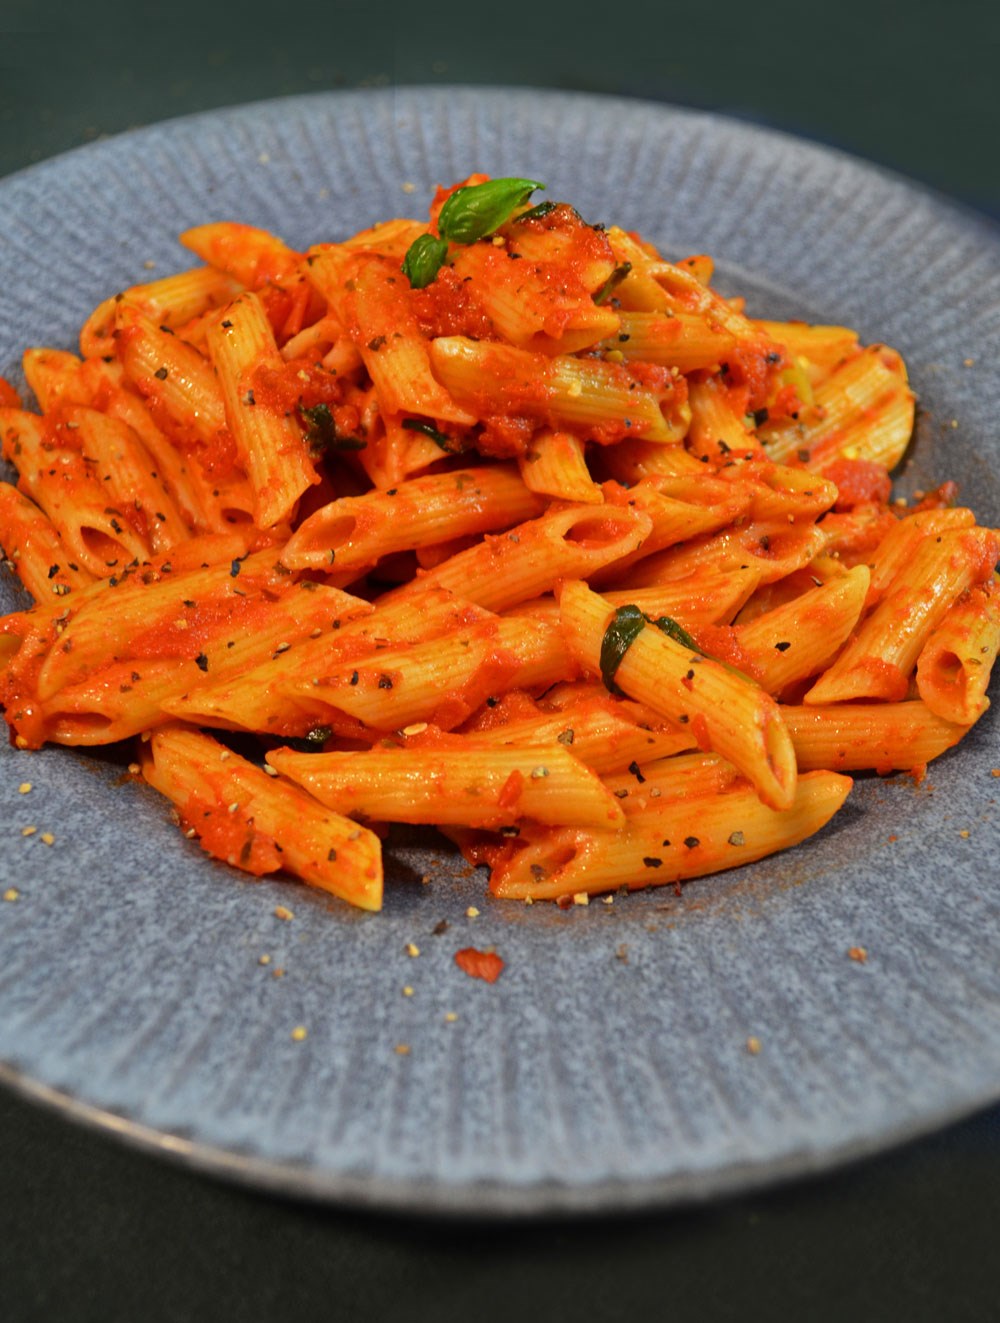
131,988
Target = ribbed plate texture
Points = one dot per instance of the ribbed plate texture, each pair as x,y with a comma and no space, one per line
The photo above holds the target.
608,1066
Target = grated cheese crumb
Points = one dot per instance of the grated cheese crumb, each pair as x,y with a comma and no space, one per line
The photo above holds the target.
964,834
282,912
581,898
11,893
858,954
28,831
450,1017
24,788
47,838
402,1049
407,187
472,912
608,900
753,1045
265,959
412,949
299,1032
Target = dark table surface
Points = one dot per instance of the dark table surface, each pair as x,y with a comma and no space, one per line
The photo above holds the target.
90,1230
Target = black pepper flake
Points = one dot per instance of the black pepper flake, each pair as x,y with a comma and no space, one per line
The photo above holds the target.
691,842
804,456
234,569
201,661
722,446
161,374
760,417
376,344
331,855
440,927
736,838
782,647
492,702
392,491
636,771
53,571
690,675
651,861
621,794
354,678
765,542
384,682
225,325
188,602
248,398
684,718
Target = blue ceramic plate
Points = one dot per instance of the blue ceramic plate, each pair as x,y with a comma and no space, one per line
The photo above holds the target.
131,988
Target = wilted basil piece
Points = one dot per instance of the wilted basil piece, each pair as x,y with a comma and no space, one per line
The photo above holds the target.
418,425
676,632
537,213
424,259
626,626
322,431
478,209
613,281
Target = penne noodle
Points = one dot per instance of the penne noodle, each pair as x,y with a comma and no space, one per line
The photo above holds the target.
253,822
955,664
464,782
727,713
668,842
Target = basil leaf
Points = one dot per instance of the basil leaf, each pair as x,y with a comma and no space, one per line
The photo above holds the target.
445,442
424,259
479,209
322,431
625,628
613,281
676,632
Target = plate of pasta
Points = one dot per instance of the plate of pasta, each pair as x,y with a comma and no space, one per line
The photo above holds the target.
496,631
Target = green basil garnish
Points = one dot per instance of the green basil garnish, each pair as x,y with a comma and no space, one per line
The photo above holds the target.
613,281
676,632
625,628
322,431
472,212
424,259
418,425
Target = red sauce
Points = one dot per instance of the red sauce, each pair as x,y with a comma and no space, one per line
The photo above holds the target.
225,836
858,482
297,384
9,398
486,965
449,306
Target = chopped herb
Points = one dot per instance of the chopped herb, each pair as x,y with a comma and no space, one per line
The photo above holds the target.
322,431
565,736
234,569
354,678
760,417
536,213
161,374
736,838
636,771
782,647
613,281
439,438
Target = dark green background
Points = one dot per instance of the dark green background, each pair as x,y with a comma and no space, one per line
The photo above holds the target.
90,1230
